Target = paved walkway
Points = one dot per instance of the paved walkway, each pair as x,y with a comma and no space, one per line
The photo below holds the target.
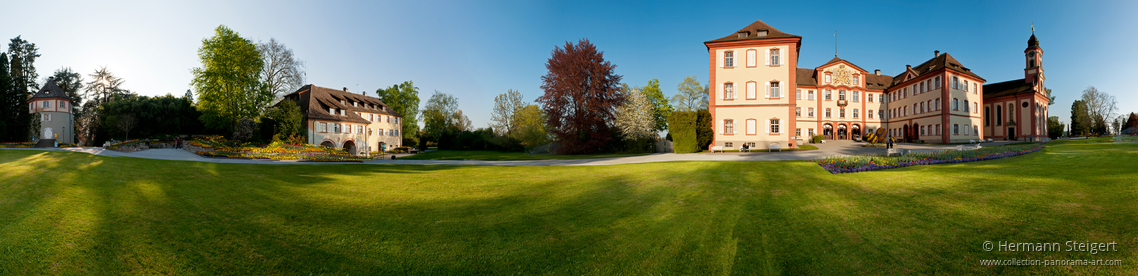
830,148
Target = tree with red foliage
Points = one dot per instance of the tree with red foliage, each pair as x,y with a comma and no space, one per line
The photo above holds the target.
581,94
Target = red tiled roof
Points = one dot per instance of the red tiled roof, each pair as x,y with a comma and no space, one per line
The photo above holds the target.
1012,87
752,32
942,61
314,102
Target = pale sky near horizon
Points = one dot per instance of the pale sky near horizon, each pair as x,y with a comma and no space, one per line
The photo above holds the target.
476,50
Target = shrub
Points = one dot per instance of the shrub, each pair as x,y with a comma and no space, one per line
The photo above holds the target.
817,139
682,127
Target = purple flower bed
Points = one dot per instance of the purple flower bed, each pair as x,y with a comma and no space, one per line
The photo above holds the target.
851,164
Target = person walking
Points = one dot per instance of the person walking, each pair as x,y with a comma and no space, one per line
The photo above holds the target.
889,142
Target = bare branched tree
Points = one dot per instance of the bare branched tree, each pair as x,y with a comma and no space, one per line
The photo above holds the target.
1099,105
690,96
283,72
126,122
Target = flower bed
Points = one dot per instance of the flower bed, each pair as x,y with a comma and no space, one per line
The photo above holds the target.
66,145
861,163
216,146
16,145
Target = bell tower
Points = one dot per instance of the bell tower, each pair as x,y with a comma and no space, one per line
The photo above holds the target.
1033,71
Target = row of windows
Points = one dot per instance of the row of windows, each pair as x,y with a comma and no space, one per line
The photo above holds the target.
60,104
752,126
350,129
935,130
772,90
841,112
773,58
370,117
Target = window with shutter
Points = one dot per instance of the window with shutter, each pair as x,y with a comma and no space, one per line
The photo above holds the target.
751,90
751,127
752,58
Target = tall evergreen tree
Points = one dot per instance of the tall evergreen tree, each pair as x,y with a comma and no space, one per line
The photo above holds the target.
8,99
1080,119
72,83
22,70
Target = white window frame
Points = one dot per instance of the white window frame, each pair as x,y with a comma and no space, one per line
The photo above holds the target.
773,126
728,91
775,55
752,58
751,90
751,125
729,59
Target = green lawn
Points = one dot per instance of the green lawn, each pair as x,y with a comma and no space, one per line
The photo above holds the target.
73,213
506,156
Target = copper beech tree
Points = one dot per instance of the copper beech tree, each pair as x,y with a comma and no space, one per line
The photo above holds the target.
581,94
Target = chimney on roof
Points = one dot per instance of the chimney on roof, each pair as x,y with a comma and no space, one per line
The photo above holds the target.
936,53
908,67
345,89
877,71
364,93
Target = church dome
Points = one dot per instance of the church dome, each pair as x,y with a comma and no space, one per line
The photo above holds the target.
1032,42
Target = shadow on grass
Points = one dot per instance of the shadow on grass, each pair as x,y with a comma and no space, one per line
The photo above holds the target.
167,217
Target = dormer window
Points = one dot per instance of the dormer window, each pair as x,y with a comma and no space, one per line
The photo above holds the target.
356,104
762,33
744,34
343,113
331,110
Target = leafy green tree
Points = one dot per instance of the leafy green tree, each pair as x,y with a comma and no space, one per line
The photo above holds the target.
690,95
152,116
442,120
505,109
530,126
404,99
660,106
229,85
1054,127
288,120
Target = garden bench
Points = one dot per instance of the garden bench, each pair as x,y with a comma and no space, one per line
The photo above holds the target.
774,146
897,151
716,148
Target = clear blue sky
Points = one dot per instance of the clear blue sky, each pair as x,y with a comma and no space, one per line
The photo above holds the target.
478,49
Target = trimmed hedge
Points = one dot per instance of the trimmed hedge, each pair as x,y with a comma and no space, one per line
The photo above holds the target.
682,127
817,139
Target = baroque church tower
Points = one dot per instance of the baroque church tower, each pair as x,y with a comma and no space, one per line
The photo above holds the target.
1033,72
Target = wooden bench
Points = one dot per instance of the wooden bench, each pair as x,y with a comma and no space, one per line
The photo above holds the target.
774,146
716,148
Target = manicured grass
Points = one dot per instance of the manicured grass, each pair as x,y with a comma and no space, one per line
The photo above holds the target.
72,213
506,156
